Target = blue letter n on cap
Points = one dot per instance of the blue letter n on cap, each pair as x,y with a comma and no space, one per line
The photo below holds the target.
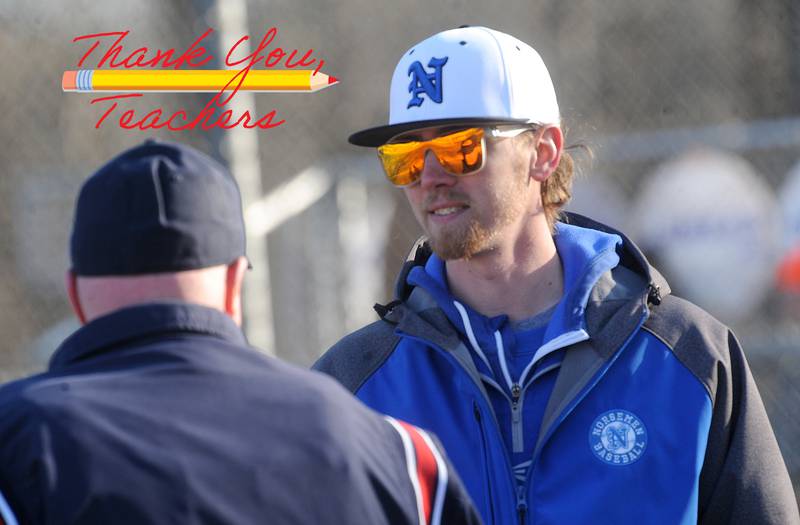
424,82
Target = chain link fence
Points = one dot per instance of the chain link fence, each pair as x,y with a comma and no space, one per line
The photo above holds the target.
642,83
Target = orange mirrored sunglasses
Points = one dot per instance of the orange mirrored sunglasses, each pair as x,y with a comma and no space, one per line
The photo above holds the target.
460,153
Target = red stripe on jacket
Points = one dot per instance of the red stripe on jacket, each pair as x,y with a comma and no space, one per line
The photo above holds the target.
427,469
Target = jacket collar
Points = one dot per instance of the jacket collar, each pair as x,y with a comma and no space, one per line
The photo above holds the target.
631,257
127,325
611,312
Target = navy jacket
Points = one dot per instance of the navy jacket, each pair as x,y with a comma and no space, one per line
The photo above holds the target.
653,418
161,414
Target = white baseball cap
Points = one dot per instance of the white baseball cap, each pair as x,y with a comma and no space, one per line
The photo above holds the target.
469,75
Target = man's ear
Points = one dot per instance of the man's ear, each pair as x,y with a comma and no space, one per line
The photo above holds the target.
549,146
71,284
234,276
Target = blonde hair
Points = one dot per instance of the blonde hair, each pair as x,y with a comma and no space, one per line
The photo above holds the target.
556,190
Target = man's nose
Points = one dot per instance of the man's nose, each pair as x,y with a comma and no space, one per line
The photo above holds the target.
433,173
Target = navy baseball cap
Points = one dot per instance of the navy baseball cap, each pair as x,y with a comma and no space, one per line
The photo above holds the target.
158,207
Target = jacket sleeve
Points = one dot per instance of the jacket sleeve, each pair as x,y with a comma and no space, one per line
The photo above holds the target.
440,495
458,506
744,478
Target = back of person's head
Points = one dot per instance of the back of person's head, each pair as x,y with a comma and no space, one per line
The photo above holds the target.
161,221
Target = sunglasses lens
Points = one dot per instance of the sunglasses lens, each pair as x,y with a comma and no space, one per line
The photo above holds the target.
459,153
402,162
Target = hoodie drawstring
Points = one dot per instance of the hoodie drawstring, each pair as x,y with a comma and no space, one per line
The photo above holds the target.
501,354
470,334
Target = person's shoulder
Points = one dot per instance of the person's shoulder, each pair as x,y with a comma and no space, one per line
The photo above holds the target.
365,337
317,394
341,424
25,393
678,322
700,341
354,358
26,407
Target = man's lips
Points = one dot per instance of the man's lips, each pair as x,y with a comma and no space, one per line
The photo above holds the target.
443,209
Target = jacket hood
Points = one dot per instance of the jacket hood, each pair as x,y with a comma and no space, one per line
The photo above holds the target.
627,283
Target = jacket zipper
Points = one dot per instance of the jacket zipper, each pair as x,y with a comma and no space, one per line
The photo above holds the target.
517,438
517,401
516,418
522,504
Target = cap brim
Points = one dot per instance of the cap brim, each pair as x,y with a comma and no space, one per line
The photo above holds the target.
378,136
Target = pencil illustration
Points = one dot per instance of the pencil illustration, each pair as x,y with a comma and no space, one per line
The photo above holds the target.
198,81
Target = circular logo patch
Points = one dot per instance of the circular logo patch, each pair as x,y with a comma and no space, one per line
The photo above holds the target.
618,437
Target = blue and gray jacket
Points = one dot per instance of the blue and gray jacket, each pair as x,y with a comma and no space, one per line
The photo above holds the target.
635,406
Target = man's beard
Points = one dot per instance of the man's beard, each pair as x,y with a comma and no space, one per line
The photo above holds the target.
461,244
479,234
